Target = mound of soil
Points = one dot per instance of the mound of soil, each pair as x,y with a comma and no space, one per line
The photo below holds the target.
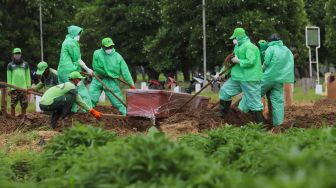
41,122
322,113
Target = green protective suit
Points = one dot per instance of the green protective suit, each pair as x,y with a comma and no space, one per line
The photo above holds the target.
70,55
249,68
245,76
60,90
47,82
278,69
109,67
251,94
18,74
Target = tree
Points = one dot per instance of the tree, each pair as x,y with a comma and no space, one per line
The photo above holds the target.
170,49
178,43
88,18
129,23
331,28
20,28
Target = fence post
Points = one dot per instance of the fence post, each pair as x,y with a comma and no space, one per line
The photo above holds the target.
3,100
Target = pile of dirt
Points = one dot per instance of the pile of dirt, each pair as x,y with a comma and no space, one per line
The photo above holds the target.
197,121
321,113
30,122
41,122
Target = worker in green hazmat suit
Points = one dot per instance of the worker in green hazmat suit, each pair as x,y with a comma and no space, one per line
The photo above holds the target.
278,69
58,99
109,65
47,77
246,75
70,60
262,44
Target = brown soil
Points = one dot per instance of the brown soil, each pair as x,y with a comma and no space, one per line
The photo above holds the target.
321,113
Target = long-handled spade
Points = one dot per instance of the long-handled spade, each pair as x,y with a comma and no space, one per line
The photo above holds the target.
204,87
107,88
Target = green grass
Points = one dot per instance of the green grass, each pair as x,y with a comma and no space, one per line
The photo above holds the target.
213,96
300,97
31,106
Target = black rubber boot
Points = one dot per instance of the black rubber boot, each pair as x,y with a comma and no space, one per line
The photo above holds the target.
53,120
258,116
224,108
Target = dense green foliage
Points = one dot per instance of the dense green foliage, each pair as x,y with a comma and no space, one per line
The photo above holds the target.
316,13
161,35
20,28
331,28
226,157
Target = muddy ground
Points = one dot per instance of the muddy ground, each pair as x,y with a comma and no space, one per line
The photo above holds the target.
321,113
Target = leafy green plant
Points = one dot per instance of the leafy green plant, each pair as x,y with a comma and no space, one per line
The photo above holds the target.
79,136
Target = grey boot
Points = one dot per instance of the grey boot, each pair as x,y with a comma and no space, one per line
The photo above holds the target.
224,108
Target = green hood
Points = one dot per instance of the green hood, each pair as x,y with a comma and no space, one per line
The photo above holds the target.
73,31
242,40
263,45
276,43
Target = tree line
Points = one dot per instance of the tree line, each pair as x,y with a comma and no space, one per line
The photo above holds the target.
162,35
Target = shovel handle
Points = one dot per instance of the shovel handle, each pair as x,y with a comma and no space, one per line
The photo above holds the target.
205,86
20,89
108,89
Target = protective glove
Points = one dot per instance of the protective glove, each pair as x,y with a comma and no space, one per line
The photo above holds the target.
95,113
235,59
87,69
133,87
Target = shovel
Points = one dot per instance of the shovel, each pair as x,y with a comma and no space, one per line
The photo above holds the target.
107,88
205,86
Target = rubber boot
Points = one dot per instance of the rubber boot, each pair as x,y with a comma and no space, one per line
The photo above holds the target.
13,112
224,108
258,116
53,120
23,113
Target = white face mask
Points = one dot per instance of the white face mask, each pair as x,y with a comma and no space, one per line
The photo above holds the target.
77,37
17,56
109,51
235,41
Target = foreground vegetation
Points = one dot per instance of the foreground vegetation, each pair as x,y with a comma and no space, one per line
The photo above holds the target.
85,156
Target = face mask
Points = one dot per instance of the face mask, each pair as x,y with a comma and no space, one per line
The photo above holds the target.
17,56
78,83
77,37
109,51
235,41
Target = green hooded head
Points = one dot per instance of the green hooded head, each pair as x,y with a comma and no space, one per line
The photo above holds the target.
263,45
107,42
238,33
74,31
